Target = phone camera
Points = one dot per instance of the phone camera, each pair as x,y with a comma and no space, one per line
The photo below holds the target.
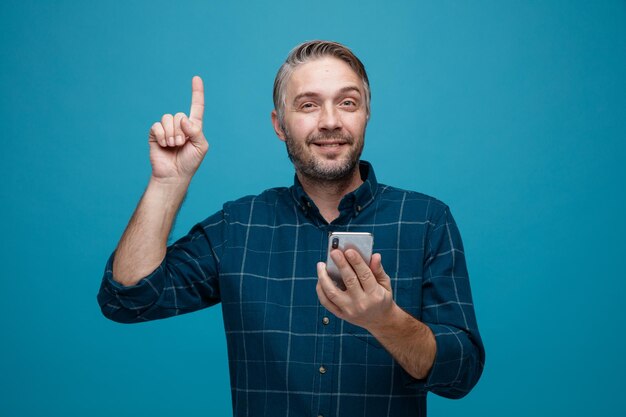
335,243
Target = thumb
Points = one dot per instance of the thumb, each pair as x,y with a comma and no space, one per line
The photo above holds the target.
377,269
191,128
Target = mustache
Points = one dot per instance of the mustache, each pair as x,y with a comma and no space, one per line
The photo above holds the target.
328,136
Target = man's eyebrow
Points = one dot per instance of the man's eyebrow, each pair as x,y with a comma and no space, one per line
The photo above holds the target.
306,94
349,89
311,94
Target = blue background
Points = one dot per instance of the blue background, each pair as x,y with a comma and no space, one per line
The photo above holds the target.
513,113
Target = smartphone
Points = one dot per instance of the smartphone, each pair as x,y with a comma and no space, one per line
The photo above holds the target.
362,242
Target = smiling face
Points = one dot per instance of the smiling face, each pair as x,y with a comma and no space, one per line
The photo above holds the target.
325,119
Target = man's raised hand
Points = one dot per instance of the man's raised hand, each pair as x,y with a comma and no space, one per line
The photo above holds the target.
177,144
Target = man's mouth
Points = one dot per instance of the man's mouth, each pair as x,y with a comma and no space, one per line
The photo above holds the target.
330,144
333,144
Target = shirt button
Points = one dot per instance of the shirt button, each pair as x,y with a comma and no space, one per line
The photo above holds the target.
359,208
325,320
322,369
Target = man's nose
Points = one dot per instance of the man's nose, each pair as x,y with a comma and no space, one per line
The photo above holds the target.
330,119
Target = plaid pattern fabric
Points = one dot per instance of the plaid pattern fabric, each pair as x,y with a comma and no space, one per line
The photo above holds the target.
288,355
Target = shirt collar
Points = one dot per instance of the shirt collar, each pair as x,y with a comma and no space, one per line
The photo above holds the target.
354,202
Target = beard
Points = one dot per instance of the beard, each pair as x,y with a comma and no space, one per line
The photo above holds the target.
315,167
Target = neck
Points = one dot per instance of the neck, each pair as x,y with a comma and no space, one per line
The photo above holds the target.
327,194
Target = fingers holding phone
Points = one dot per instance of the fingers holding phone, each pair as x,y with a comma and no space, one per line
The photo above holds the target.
352,284
360,242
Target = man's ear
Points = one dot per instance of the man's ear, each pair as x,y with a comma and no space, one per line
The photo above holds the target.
277,128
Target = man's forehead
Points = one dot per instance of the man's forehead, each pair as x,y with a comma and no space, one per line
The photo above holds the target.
323,75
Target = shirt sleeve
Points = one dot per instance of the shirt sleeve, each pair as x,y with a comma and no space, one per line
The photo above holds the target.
449,312
185,281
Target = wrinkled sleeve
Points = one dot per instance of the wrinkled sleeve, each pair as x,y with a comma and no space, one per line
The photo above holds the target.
449,312
185,281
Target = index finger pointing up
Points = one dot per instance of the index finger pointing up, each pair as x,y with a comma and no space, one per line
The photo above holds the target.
197,99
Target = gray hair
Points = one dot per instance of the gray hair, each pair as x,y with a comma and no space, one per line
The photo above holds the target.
309,51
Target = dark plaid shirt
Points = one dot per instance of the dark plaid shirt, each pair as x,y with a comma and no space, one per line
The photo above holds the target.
288,355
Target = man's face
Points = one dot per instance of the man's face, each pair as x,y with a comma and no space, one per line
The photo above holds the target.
325,119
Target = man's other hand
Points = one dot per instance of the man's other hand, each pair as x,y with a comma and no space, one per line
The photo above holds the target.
367,299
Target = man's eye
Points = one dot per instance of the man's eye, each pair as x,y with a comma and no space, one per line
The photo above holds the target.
349,103
307,106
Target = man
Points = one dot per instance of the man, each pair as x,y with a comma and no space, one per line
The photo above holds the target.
297,343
